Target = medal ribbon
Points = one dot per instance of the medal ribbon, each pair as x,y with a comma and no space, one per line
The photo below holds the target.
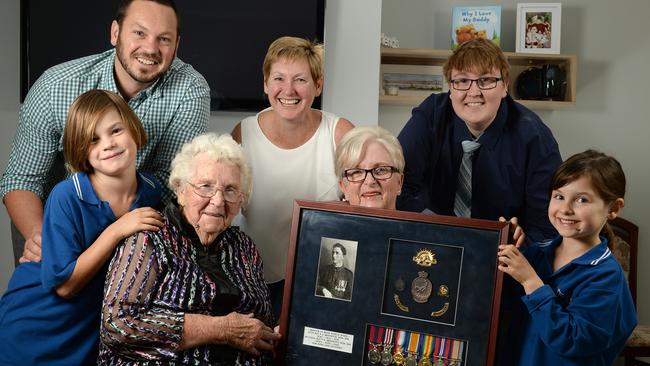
441,350
413,343
380,336
388,339
458,350
426,343
372,334
436,347
400,337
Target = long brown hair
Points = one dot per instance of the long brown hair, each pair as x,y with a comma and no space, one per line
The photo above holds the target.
606,175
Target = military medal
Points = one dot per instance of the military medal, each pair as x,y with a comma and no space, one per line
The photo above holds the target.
386,354
426,343
421,288
413,345
425,258
400,346
399,284
442,347
373,353
443,291
457,353
411,360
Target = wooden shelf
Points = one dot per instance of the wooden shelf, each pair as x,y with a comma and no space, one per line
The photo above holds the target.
518,63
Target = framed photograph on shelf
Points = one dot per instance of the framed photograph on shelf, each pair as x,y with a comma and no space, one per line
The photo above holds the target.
411,80
365,286
538,27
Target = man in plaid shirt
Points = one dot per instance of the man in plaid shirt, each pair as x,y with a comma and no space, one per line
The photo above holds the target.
171,99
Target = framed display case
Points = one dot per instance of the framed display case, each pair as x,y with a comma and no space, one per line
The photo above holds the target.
371,286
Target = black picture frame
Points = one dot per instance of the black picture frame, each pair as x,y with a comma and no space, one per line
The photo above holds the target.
395,251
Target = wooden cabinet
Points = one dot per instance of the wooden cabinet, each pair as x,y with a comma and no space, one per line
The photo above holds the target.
518,63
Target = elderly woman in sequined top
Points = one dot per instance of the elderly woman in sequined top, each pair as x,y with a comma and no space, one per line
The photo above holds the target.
193,292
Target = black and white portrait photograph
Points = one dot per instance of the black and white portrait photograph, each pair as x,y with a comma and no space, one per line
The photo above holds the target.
336,268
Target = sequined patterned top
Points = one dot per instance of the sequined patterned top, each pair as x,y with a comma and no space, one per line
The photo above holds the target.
156,277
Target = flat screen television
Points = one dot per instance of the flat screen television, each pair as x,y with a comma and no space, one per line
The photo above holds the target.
224,40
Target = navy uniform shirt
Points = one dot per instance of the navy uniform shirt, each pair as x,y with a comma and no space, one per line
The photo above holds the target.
39,327
511,170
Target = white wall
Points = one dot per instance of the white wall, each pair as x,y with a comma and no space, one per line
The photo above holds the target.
351,81
612,88
352,59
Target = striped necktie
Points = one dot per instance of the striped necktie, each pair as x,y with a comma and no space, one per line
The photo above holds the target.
463,200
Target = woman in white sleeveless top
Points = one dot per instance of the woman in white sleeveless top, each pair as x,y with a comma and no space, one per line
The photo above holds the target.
291,149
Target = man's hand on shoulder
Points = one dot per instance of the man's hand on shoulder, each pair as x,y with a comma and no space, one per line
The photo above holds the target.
32,251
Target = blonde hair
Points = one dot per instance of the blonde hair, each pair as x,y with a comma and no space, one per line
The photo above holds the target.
84,115
478,55
221,148
293,49
349,150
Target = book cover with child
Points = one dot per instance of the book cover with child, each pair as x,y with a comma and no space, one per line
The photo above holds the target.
470,22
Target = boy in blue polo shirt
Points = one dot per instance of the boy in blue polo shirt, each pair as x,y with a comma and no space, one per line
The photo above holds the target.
50,313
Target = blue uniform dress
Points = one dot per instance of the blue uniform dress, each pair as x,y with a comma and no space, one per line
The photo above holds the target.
582,315
511,170
36,325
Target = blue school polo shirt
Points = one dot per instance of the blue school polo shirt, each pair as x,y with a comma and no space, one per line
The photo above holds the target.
36,325
582,315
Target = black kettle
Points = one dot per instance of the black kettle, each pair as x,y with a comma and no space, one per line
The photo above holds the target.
545,82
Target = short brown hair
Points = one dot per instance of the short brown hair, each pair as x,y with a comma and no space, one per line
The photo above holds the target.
478,55
120,14
605,173
294,48
83,116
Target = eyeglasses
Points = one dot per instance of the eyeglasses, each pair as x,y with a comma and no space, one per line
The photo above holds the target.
231,195
484,83
379,173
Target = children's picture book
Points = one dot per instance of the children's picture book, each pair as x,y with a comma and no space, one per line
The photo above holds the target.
470,22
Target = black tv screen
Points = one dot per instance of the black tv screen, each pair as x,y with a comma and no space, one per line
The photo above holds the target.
224,40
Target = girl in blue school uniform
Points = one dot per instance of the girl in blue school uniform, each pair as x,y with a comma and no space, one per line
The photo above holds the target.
577,307
50,313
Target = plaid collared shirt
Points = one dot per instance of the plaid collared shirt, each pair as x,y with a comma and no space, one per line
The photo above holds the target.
173,110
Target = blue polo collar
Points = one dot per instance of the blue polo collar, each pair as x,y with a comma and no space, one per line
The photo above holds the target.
147,188
592,257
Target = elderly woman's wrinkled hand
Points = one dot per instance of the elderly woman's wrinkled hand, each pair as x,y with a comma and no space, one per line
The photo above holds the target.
250,334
